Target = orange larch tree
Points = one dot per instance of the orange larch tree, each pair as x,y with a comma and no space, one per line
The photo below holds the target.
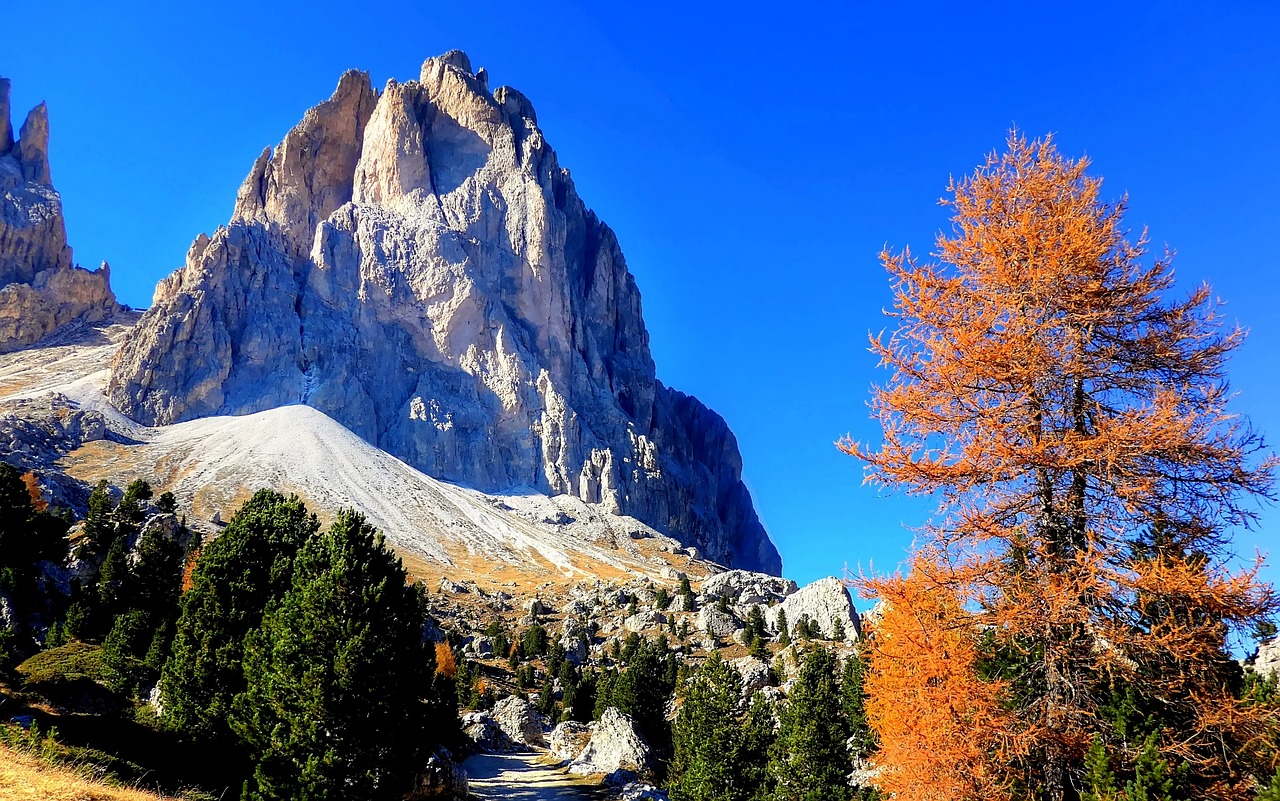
1073,422
939,724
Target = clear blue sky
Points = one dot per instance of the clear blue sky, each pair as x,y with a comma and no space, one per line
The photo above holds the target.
753,160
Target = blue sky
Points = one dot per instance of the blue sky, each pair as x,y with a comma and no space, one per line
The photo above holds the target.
753,159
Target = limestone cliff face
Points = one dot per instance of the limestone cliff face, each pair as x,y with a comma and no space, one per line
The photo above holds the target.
41,290
416,264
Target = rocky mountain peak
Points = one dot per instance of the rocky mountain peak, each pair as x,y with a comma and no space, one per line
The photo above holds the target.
309,175
415,264
6,125
33,146
41,290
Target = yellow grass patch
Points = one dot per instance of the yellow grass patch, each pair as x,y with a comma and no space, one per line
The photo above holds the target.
26,778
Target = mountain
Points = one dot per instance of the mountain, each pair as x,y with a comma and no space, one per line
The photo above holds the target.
415,264
41,290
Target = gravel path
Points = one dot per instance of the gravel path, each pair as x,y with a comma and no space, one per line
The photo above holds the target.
524,777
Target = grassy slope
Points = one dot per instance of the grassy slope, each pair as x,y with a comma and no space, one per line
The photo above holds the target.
26,778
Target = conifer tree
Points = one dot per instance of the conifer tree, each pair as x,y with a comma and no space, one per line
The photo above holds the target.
123,649
336,700
1271,792
235,577
853,705
99,531
720,750
810,760
28,534
154,581
113,580
784,630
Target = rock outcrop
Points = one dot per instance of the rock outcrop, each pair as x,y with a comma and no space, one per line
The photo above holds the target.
1266,660
41,290
614,746
520,721
568,739
442,779
826,602
746,587
416,264
486,735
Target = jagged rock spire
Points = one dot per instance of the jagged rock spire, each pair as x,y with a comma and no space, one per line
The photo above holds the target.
6,124
40,288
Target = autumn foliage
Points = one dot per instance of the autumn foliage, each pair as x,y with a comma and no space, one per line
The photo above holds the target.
446,663
1072,419
924,693
33,489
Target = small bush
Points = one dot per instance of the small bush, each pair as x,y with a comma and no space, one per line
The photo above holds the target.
75,661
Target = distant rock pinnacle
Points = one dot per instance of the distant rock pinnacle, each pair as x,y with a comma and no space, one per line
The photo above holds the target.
41,290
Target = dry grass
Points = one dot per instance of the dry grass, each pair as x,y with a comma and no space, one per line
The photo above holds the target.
25,778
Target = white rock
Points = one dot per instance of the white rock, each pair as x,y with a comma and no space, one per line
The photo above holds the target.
568,739
644,620
754,673
486,734
717,623
614,745
747,587
1266,659
520,721
442,778
824,601
449,586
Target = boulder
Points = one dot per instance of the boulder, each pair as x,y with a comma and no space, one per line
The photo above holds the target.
754,673
644,620
568,739
485,733
442,779
1266,659
716,623
614,746
638,791
450,586
520,721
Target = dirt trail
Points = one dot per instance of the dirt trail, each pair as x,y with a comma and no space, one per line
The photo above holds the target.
525,777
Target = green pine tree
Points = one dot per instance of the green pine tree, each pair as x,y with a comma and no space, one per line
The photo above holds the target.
1154,778
155,581
99,531
235,578
166,503
1100,779
719,750
337,676
784,630
810,760
122,652
853,699
113,580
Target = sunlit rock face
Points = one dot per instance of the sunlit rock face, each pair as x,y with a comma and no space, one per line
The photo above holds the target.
416,264
41,290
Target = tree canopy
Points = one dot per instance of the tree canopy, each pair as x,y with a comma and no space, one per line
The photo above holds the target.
1073,420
